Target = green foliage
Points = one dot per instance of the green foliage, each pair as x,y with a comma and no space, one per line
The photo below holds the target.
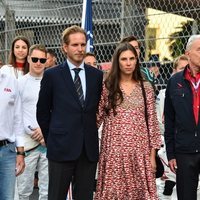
178,39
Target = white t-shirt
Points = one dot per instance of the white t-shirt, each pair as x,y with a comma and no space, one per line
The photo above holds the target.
29,87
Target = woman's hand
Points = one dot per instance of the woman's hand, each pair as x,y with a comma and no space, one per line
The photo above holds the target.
153,160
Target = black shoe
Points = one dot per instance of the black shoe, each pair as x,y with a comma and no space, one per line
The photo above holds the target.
168,189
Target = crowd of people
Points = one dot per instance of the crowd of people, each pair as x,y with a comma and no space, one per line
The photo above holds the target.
51,115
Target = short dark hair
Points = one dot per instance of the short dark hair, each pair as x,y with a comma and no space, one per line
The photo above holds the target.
130,39
90,54
51,52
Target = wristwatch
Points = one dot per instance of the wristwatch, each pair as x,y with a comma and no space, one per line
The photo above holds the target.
22,153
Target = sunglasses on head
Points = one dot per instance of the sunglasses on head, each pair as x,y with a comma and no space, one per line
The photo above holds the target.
35,60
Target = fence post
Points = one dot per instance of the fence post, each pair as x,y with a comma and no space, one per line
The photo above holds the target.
9,29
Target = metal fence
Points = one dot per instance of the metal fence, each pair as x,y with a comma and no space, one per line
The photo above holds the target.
162,26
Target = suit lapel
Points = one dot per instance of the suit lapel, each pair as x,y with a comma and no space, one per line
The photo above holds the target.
66,75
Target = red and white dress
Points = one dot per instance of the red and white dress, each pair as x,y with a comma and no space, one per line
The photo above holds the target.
125,171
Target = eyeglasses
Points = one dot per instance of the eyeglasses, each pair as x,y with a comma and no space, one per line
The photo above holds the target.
35,60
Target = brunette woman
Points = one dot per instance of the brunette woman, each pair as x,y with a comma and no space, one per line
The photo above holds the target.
130,134
17,64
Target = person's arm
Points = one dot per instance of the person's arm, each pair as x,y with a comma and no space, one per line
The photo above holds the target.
38,136
101,109
160,109
169,133
153,160
20,164
173,165
153,127
154,131
19,134
44,104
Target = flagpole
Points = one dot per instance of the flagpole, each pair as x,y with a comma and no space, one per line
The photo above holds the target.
83,14
87,23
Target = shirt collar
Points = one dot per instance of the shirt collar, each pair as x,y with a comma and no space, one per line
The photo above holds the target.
72,66
190,77
34,77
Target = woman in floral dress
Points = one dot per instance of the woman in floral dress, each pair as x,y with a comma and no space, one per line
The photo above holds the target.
130,133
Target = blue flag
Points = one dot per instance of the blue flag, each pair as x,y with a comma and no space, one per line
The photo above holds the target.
87,23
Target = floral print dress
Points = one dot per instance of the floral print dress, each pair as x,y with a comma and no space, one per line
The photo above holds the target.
125,171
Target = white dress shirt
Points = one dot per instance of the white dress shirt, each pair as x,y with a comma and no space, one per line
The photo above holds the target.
11,127
10,70
81,75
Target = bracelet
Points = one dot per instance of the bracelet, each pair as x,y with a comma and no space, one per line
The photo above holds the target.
22,153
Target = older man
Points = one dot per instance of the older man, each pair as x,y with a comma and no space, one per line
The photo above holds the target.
182,125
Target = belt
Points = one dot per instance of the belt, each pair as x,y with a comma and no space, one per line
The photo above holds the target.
32,148
4,142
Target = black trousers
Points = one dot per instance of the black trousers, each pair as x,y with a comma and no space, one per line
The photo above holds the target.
61,173
187,175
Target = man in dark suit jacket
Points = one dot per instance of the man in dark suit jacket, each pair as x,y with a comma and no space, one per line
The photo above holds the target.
68,123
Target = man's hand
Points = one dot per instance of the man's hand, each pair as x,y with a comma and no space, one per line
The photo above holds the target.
42,142
37,134
172,165
20,164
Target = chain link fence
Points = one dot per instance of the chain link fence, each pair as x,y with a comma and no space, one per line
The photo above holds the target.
162,26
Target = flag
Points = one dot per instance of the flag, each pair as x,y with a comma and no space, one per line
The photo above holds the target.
87,23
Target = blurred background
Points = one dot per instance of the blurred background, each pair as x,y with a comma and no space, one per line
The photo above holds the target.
162,26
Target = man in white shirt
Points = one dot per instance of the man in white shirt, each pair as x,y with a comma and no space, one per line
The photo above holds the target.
29,86
11,136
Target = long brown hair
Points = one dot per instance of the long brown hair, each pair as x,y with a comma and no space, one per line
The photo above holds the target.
12,57
112,82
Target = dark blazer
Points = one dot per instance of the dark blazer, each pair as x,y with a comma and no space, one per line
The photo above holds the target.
182,134
67,126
